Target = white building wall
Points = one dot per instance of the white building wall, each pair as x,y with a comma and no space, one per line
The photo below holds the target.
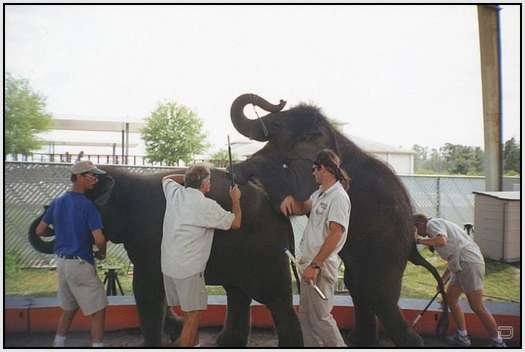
402,164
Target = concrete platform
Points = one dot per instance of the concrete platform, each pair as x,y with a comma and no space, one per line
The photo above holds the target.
130,338
27,317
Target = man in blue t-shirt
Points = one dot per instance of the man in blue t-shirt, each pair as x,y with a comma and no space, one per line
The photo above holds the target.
77,226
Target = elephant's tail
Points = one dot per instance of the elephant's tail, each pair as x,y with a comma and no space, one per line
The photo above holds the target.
36,241
417,259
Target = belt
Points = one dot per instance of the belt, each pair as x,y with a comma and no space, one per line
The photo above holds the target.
69,256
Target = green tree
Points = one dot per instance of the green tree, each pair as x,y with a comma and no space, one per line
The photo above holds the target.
173,132
338,125
511,156
420,161
25,116
436,162
222,155
462,159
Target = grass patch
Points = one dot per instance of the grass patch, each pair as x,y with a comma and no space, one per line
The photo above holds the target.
502,280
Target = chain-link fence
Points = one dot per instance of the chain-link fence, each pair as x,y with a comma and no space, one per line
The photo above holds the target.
29,186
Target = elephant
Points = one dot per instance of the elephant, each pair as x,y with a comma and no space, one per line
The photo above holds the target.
381,232
249,263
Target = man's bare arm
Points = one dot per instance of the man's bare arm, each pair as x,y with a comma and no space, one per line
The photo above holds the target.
100,242
335,233
41,229
179,178
235,195
291,206
437,241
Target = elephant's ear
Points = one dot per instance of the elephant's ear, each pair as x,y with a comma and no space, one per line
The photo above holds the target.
102,192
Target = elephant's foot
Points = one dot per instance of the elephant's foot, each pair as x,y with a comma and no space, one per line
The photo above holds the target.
361,340
237,325
411,340
231,339
287,324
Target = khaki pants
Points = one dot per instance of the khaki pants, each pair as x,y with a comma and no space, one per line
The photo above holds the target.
317,323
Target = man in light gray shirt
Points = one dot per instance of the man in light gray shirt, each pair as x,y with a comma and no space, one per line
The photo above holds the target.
465,267
189,223
324,236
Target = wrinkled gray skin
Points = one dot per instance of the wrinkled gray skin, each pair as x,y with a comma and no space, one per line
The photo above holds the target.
249,263
381,233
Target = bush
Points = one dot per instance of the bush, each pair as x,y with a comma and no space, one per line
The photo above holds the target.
11,266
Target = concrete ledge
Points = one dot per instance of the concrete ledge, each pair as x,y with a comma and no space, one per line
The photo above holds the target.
41,315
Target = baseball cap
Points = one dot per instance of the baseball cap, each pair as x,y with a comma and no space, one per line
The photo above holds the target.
85,166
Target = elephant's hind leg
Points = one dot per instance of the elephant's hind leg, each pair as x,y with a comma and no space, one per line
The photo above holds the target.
396,327
365,326
365,331
237,325
286,324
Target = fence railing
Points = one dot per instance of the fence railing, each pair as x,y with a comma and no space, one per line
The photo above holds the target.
102,159
28,186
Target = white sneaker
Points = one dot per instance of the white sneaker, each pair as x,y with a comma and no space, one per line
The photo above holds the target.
59,341
458,340
500,343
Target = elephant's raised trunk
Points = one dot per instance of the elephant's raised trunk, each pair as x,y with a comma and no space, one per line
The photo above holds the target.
252,128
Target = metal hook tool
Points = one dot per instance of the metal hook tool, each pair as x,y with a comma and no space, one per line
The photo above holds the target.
315,287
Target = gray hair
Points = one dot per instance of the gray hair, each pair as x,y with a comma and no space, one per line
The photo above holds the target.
195,175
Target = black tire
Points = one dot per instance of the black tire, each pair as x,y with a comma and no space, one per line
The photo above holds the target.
36,241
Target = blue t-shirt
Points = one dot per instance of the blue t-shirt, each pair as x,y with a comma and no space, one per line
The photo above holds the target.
74,217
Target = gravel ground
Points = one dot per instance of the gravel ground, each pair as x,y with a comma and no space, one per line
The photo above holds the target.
132,338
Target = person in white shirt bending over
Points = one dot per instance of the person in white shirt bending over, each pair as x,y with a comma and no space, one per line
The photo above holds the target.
465,267
189,223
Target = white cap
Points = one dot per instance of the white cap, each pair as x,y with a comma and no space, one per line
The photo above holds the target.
85,166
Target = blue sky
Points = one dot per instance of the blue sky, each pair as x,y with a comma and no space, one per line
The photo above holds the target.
399,75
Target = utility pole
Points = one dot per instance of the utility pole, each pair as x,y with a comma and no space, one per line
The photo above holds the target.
490,53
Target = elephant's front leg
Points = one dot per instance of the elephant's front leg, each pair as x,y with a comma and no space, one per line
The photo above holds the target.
149,296
286,324
237,325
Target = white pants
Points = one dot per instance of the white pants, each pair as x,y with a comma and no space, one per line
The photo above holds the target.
317,322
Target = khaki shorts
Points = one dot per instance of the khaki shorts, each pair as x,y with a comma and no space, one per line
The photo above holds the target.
79,286
190,293
470,278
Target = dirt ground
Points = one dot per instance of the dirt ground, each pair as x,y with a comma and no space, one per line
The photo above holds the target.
130,338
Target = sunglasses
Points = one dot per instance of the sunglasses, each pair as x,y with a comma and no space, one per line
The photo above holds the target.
316,168
90,174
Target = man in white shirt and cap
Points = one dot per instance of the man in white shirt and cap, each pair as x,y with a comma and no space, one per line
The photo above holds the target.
324,236
189,223
466,269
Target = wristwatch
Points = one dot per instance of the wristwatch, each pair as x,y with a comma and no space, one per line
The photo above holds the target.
315,265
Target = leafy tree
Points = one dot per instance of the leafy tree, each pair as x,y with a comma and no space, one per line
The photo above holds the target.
463,160
222,155
420,161
173,132
337,124
436,162
511,156
25,116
